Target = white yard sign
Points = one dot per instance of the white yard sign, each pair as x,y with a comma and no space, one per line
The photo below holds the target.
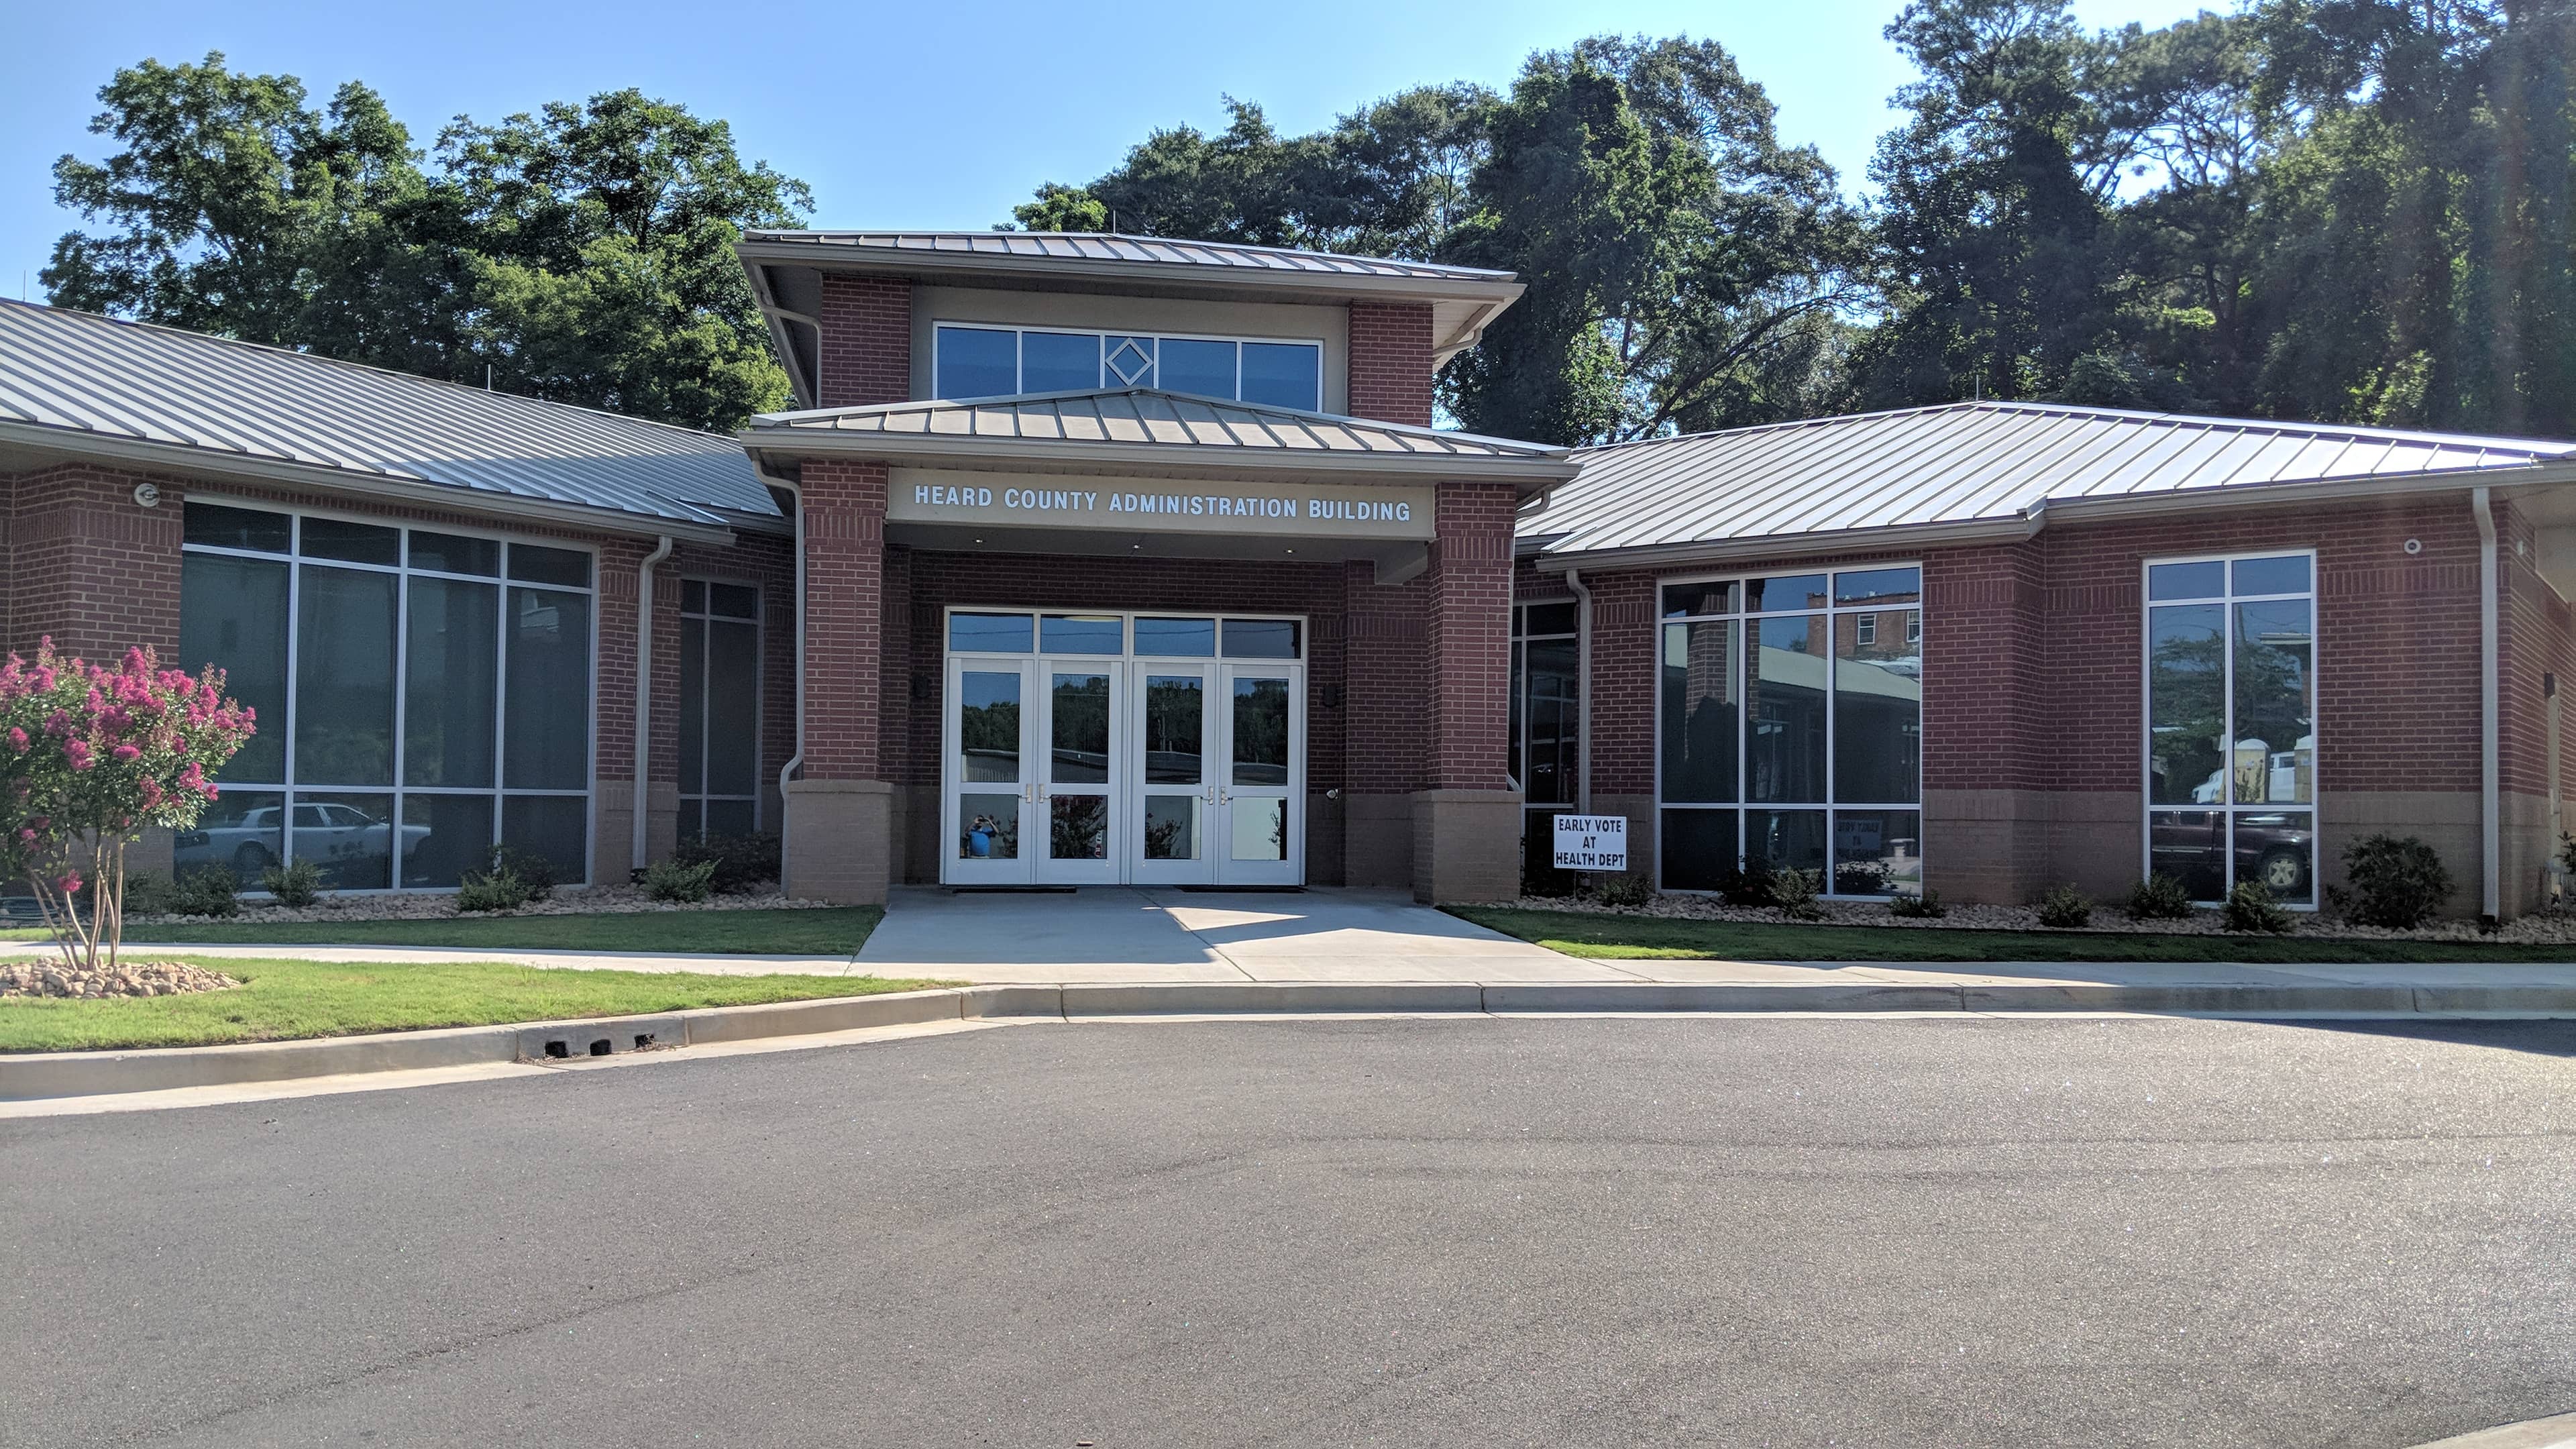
1591,842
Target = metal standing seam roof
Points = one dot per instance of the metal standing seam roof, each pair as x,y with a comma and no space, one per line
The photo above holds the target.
1041,246
80,376
1966,463
1146,417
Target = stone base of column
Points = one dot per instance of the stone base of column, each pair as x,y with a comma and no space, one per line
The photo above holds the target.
839,841
1466,845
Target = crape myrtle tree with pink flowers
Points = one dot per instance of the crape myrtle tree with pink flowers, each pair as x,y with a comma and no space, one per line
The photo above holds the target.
91,757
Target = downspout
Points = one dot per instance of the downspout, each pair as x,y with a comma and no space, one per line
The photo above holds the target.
644,695
1582,689
2490,781
795,760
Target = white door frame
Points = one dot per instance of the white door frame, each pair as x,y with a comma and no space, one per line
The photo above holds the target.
1197,866
1112,793
1245,804
958,864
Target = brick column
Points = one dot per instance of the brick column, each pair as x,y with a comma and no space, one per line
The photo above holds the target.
88,565
1390,363
1385,702
1466,825
839,810
867,341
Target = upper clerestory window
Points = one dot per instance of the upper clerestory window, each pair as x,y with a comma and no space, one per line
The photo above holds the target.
971,362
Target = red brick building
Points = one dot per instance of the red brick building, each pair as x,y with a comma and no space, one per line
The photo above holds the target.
1091,560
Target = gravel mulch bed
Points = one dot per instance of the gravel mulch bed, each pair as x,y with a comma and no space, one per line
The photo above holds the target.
48,976
2547,929
608,900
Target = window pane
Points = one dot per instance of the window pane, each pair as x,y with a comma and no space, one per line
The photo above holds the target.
1683,600
1789,591
977,362
1129,361
2272,575
1260,828
2276,849
443,837
1699,703
2186,705
1878,708
1788,839
455,668
1698,848
355,542
1284,374
988,725
1059,361
1784,755
1555,753
1081,634
730,817
1171,827
988,827
693,596
350,837
217,526
1175,720
733,601
1548,619
1260,735
232,614
566,567
990,633
344,677
2276,742
2190,846
243,831
449,553
1078,827
733,708
1261,638
546,705
1878,853
1878,586
554,826
693,707
1513,723
1206,368
1176,638
2186,581
1078,731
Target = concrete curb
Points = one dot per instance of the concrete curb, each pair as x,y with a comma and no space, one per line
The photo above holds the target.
81,1074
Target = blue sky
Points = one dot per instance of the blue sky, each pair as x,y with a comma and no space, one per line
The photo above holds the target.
919,115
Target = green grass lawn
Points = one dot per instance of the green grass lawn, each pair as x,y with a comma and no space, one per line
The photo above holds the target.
838,931
285,999
1662,938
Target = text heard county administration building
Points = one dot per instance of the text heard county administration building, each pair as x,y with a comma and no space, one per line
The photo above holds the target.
1103,559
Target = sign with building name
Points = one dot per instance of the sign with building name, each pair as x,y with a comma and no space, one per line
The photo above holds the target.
1591,842
1159,505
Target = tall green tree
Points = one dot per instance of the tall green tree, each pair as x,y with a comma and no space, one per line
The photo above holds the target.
582,253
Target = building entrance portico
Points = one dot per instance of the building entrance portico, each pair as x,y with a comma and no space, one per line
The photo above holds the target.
1096,748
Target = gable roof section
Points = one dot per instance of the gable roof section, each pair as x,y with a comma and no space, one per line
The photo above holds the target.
1149,427
83,383
1001,248
1970,467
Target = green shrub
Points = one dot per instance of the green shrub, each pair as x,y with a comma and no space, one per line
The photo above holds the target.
742,862
205,890
1926,906
295,886
2065,907
535,873
669,880
1861,878
1747,886
1795,892
1627,890
2160,897
2394,883
499,889
2250,907
147,894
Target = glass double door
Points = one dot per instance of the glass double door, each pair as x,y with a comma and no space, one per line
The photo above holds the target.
1094,772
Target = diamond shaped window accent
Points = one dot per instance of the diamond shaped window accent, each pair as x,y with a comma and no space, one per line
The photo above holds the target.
1130,363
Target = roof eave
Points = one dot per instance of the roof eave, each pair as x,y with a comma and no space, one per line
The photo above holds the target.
183,459
1217,461
827,256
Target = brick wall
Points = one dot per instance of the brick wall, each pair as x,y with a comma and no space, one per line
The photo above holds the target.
86,564
1391,366
845,503
867,341
1468,636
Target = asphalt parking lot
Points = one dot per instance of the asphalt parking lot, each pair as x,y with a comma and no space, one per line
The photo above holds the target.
1735,1231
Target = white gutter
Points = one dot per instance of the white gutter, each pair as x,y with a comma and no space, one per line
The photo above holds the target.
796,760
1582,689
2490,781
644,695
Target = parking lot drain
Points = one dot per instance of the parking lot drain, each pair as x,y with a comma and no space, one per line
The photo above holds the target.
558,1049
600,1047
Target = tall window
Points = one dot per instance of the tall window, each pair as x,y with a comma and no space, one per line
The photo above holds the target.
1791,729
2231,746
719,709
1001,361
421,696
1546,727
